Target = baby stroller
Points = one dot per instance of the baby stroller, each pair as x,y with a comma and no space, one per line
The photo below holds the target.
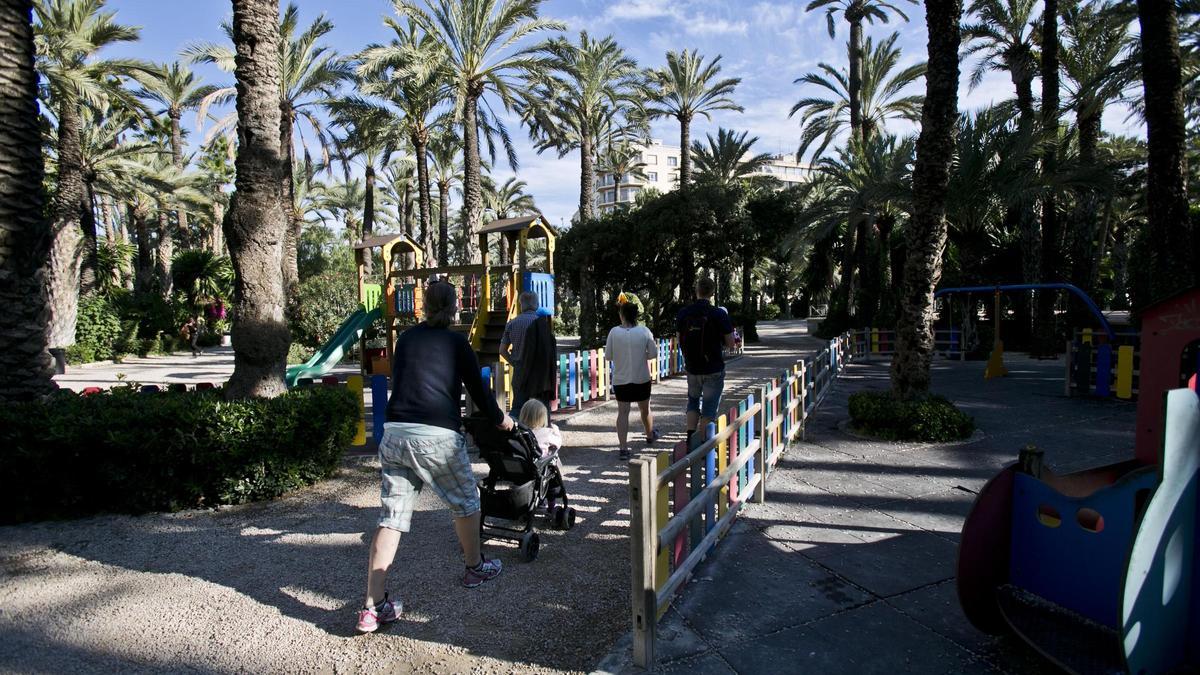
519,480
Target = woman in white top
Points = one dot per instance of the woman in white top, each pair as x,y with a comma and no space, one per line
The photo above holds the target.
630,347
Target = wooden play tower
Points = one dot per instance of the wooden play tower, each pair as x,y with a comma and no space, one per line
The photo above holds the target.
398,298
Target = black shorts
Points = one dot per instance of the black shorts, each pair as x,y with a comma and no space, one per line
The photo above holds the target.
632,393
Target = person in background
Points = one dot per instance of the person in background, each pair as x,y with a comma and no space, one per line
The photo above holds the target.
422,445
528,344
630,347
704,330
191,333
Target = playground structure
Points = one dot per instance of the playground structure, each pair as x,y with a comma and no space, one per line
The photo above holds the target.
1098,569
401,258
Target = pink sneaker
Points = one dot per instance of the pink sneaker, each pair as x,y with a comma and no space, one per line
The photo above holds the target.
370,619
486,571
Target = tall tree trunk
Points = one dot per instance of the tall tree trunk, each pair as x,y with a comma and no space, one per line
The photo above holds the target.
181,216
290,266
107,220
25,237
587,305
1172,247
368,223
854,85
165,252
143,275
846,285
587,179
443,242
217,240
91,243
257,222
424,198
65,252
685,152
472,211
1046,341
926,234
1083,237
1020,215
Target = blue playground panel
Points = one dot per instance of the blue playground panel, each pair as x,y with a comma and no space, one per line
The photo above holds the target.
542,284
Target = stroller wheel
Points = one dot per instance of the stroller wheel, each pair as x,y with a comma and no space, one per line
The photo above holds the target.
568,518
529,546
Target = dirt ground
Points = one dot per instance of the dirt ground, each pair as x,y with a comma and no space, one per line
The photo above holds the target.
273,587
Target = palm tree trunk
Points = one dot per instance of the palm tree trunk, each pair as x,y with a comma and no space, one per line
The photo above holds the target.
443,242
291,240
143,274
1173,249
217,240
587,179
368,222
1045,339
424,200
854,86
845,290
165,252
926,234
587,305
177,159
91,244
472,211
685,155
25,364
257,222
63,295
1083,237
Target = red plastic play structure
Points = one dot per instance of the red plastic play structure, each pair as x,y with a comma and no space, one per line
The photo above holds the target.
1098,570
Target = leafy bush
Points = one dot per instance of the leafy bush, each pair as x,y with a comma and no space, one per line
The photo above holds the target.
97,330
322,304
121,451
298,353
930,418
770,312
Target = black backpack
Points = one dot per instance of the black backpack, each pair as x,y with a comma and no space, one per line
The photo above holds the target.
694,329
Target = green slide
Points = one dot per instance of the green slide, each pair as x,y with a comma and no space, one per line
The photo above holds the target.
332,351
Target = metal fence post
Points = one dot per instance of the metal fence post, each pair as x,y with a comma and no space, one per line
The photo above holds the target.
642,553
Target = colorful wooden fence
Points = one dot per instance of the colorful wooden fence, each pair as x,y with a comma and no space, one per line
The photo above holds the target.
585,376
683,501
869,342
1097,367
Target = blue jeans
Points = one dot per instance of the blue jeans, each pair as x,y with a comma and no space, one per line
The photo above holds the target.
704,393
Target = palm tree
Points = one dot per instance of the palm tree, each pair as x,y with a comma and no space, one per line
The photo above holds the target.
880,98
310,75
256,224
854,12
341,203
176,89
726,159
25,365
507,200
443,152
1096,38
685,88
1172,250
68,36
410,74
1046,342
571,106
621,160
475,39
926,232
1003,38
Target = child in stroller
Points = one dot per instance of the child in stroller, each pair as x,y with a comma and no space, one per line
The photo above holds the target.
519,478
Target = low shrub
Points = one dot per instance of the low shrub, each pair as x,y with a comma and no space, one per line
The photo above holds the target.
770,312
932,419
322,304
298,353
122,451
97,330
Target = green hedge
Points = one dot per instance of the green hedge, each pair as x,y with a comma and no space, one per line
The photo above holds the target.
122,451
931,418
98,331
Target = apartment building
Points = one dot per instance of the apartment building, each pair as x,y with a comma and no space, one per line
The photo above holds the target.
662,174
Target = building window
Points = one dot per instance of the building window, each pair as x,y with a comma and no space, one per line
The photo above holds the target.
652,176
672,161
651,159
610,196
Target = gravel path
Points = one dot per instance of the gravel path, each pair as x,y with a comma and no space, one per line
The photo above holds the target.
272,587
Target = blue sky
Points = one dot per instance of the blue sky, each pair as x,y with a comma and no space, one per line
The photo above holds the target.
767,44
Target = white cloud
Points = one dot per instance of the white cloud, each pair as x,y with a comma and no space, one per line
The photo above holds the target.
707,26
642,9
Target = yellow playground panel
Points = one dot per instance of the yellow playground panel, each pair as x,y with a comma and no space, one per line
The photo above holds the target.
400,297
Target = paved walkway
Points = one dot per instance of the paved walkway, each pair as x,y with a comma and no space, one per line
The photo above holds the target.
272,587
848,567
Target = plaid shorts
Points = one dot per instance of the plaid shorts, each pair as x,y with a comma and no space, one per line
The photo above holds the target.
415,455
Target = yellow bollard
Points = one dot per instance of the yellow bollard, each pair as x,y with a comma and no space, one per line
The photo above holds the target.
995,365
355,384
1087,336
874,340
1125,371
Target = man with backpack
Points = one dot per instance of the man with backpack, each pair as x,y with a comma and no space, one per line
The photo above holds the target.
703,331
